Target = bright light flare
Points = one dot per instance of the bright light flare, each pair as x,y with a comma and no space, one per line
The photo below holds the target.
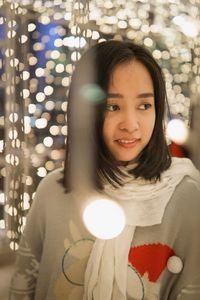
177,131
104,219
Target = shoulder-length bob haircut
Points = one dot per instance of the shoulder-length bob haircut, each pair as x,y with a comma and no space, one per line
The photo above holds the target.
155,157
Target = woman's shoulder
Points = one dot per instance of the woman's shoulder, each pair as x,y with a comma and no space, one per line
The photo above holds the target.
182,211
187,195
183,170
53,176
183,164
189,186
51,181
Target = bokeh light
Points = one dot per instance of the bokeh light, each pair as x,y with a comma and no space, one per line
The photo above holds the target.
177,131
104,218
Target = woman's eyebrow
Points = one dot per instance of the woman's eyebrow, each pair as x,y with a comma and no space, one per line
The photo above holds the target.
119,96
114,95
145,95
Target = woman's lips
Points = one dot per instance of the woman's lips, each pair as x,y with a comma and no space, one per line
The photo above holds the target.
127,143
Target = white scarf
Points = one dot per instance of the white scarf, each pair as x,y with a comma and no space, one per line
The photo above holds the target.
144,204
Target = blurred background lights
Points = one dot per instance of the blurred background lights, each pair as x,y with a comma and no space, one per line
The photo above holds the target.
31,108
104,218
13,117
13,195
13,134
95,35
29,180
40,59
66,81
46,116
58,42
54,130
26,204
13,245
16,143
49,79
25,93
1,145
9,52
56,155
87,33
44,19
2,224
25,75
2,198
177,131
38,46
76,30
49,165
74,42
41,123
69,68
12,23
48,141
57,16
41,172
23,39
40,97
12,159
64,130
26,196
64,106
60,68
50,64
14,62
75,56
50,105
11,34
31,27
27,124
55,54
188,25
39,72
33,60
12,211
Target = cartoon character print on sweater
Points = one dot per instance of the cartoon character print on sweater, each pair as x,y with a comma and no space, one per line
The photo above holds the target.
69,284
146,264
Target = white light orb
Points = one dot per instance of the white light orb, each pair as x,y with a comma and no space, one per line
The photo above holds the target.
177,131
41,123
41,172
31,27
48,141
104,218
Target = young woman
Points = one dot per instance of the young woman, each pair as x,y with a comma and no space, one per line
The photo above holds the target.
157,255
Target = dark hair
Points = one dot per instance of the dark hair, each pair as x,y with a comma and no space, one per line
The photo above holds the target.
155,157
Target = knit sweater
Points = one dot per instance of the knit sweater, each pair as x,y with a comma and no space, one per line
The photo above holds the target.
163,262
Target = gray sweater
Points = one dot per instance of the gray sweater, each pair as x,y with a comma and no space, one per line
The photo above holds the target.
164,259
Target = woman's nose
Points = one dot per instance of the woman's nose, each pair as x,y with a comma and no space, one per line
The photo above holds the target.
129,122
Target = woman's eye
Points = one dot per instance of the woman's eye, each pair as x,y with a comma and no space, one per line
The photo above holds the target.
112,107
145,106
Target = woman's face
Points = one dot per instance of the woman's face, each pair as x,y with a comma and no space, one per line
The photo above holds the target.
130,114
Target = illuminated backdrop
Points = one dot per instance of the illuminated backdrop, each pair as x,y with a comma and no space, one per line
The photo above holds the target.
40,43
